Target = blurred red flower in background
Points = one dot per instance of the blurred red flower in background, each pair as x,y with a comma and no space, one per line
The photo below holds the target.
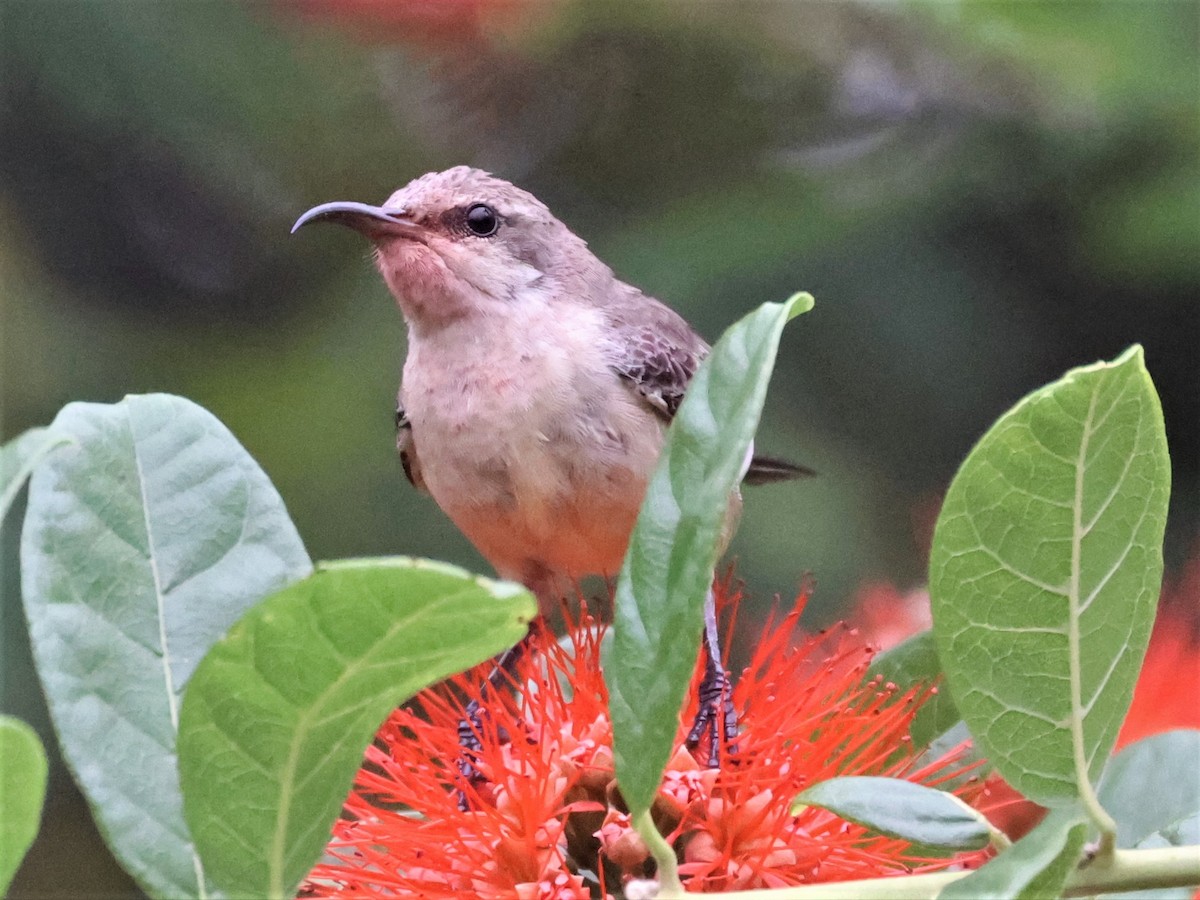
1164,697
429,23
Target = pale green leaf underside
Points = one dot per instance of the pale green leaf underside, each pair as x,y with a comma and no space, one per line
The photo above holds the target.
22,791
143,541
18,458
674,545
1184,832
278,715
902,809
1152,783
1045,571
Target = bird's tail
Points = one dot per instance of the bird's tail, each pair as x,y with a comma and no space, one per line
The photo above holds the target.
767,470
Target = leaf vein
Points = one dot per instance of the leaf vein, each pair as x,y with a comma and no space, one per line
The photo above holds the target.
1022,576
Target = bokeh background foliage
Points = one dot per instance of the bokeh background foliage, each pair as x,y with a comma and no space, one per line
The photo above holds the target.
981,196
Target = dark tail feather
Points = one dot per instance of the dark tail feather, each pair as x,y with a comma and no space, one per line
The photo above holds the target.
766,470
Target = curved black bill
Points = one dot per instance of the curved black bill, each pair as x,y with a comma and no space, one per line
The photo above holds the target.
371,220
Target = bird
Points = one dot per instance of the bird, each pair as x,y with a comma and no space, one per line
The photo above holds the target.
537,388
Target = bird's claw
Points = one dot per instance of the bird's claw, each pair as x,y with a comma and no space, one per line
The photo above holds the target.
469,745
716,716
470,726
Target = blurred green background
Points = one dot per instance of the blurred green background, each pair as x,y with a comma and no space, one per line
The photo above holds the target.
980,196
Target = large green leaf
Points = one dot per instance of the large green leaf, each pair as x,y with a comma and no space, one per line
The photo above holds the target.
902,809
1045,570
1152,783
276,719
669,565
1034,868
18,458
143,542
22,790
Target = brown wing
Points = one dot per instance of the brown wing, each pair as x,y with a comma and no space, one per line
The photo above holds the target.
655,351
658,353
407,450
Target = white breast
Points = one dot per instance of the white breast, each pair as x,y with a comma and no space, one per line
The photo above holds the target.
531,444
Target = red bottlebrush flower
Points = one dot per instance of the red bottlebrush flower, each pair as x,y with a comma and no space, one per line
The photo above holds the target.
548,820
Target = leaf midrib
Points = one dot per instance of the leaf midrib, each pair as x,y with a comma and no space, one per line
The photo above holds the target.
1083,782
1074,657
278,856
160,604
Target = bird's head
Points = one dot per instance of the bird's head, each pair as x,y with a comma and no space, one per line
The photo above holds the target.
458,242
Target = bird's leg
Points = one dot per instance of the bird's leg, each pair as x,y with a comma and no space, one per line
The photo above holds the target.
715,715
471,724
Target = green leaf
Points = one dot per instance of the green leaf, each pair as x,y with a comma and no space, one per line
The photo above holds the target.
669,565
18,458
902,809
276,719
1162,767
1034,868
143,542
1045,571
22,791
912,662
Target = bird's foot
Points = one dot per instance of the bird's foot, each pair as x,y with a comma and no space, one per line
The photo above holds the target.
470,726
469,745
716,717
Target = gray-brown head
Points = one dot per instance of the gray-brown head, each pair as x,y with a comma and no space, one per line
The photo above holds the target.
452,243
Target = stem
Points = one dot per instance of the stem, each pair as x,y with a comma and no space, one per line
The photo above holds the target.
1124,870
1130,870
664,855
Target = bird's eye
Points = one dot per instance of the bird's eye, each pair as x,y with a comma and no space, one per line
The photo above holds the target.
482,220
